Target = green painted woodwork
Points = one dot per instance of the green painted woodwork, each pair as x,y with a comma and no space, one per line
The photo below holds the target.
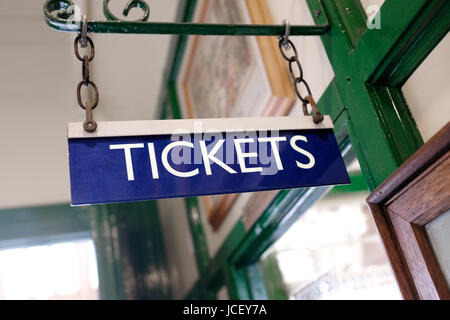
130,251
226,250
110,276
431,23
408,33
273,278
377,129
331,103
255,279
358,184
201,249
395,116
195,293
237,284
352,19
188,28
173,100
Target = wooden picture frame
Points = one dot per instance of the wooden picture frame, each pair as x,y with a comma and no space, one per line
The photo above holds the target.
415,194
232,77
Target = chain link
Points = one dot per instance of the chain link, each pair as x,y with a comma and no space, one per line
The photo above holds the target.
296,72
89,125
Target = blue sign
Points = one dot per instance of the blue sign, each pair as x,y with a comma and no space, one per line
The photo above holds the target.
114,166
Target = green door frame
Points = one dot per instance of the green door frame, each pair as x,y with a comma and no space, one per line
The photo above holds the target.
369,111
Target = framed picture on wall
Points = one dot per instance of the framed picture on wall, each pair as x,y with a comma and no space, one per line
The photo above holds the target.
231,76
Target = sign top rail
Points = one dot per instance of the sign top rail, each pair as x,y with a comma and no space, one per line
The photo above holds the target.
60,15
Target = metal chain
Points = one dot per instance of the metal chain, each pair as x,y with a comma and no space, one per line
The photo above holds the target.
89,125
296,72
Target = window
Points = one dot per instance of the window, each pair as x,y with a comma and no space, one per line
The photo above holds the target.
66,270
426,91
333,251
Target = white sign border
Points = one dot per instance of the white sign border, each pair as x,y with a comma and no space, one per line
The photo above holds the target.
171,126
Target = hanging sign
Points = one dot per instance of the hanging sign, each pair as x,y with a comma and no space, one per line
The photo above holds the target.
146,160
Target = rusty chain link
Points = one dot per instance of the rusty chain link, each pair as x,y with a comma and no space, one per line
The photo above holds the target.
89,125
296,72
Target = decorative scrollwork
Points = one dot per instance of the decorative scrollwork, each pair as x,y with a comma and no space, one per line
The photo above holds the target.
130,5
61,7
63,15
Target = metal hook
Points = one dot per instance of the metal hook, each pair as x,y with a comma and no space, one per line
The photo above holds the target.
84,25
287,33
317,115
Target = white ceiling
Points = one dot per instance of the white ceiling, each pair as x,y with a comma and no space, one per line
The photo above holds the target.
38,77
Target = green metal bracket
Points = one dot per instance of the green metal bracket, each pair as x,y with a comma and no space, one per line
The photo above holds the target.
60,15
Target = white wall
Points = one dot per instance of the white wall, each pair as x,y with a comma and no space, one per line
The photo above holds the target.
316,66
438,233
36,100
427,91
39,74
128,69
